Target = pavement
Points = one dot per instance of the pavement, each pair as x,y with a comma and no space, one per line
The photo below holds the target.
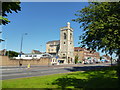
13,72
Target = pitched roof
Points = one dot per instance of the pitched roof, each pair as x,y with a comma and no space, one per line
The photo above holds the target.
83,49
57,41
108,57
78,48
36,52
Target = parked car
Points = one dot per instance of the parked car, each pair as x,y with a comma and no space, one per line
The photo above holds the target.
103,60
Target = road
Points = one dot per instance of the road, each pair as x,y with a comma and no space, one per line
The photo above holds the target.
17,72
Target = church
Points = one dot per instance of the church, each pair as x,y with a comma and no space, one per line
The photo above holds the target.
63,49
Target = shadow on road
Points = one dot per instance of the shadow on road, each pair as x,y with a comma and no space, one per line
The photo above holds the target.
84,68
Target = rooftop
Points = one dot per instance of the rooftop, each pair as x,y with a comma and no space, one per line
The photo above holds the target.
78,48
36,52
57,41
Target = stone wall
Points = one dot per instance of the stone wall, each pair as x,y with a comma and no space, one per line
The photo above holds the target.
5,61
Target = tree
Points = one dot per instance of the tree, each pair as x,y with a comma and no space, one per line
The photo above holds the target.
101,25
101,58
12,53
76,59
8,7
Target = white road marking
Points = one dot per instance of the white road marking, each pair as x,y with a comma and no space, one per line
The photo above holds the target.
26,73
14,74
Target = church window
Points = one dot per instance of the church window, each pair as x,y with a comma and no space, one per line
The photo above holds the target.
70,36
65,36
64,42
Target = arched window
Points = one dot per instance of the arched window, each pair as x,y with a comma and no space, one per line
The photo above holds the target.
65,36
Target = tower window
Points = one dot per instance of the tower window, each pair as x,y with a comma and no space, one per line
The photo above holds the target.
51,49
65,36
63,54
64,42
70,36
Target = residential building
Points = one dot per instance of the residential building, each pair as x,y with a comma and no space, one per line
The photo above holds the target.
106,57
52,47
79,52
84,53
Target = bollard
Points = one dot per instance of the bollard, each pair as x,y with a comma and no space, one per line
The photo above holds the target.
28,66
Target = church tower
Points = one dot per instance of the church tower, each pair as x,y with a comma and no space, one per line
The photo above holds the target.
66,51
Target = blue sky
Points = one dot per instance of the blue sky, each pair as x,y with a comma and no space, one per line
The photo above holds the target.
42,21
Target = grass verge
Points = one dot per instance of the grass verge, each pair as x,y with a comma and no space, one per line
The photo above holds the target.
100,78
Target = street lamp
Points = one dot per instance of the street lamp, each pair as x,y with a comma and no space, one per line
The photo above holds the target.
22,43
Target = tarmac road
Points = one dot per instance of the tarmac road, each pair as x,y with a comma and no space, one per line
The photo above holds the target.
20,72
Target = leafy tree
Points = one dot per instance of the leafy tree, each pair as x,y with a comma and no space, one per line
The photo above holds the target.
101,25
8,7
12,53
101,58
57,48
76,59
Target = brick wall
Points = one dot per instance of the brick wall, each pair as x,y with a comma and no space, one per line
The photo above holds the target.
5,61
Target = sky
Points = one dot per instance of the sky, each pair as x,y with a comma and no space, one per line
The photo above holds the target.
42,21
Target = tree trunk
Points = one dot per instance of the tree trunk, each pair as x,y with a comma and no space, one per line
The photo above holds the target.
118,69
111,60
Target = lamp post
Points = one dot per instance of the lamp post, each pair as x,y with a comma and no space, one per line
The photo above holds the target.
0,38
5,47
22,43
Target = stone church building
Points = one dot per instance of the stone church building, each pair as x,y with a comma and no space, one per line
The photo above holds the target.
63,49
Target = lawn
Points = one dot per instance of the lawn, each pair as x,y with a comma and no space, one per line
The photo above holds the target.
99,78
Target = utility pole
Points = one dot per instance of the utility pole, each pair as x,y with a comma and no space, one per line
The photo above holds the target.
21,47
5,46
22,44
111,60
